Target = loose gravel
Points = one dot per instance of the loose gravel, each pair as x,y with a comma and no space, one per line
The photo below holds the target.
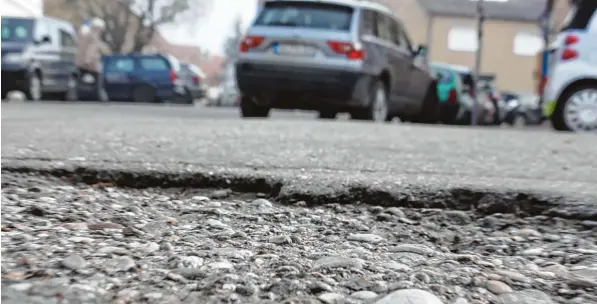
65,243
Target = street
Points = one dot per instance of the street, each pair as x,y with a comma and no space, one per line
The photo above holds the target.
194,205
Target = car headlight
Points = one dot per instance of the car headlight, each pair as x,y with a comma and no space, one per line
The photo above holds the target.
14,58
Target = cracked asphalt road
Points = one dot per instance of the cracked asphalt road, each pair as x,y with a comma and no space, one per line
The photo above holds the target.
319,156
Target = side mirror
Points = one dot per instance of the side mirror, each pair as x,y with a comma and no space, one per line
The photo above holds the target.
44,39
421,51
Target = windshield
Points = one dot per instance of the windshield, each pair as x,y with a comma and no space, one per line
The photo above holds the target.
17,29
306,15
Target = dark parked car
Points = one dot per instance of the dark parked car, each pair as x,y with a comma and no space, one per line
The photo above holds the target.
38,58
143,78
521,109
193,79
334,56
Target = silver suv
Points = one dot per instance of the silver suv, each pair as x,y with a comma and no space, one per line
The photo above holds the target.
334,56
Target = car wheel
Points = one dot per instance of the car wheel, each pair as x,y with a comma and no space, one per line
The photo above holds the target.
188,97
576,110
144,94
249,109
377,110
327,115
430,108
34,87
519,121
71,93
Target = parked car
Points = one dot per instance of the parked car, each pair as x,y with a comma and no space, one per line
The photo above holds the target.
334,56
455,92
193,79
143,78
38,58
570,94
520,109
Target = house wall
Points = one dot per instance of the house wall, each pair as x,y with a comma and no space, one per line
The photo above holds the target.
514,72
413,15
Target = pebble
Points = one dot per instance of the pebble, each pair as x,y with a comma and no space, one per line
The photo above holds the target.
366,238
410,296
73,262
498,287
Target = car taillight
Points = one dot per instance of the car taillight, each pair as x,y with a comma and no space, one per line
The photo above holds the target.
172,75
571,39
196,79
568,54
452,96
348,49
250,42
542,85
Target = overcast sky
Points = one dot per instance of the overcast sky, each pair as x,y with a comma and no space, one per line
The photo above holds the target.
211,32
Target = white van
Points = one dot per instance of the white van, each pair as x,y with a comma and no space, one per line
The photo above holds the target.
570,95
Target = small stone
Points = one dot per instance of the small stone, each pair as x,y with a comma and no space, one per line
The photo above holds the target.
512,275
589,224
527,232
338,262
396,266
262,203
73,262
200,198
458,217
413,248
81,239
533,252
151,247
280,239
120,264
410,296
498,287
364,295
221,265
216,224
102,226
366,238
525,297
396,211
331,298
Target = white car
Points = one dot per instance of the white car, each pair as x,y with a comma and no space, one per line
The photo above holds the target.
570,95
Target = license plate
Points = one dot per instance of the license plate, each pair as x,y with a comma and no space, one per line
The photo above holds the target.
294,49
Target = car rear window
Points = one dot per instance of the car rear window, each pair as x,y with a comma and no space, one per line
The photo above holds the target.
580,15
17,29
311,15
154,64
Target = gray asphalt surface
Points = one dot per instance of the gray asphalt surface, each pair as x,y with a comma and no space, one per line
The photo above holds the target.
309,155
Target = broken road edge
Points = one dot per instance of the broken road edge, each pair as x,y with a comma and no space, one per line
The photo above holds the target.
482,201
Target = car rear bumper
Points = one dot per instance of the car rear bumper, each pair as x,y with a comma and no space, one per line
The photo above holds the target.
14,79
303,88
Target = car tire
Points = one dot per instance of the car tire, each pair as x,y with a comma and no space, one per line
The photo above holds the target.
249,109
327,114
71,93
430,110
34,88
144,94
558,118
187,98
377,109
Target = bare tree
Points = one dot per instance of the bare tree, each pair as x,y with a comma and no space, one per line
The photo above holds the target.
131,24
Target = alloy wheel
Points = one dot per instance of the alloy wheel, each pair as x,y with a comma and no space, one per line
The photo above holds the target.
580,110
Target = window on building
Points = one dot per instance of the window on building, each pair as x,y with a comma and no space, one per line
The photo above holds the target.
463,39
526,44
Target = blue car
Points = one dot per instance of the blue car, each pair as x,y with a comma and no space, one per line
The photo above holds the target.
143,78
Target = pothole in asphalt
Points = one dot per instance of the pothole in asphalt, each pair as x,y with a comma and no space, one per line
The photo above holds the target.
87,243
